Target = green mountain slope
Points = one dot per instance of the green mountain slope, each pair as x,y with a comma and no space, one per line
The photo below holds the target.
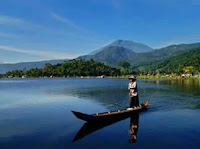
113,54
176,64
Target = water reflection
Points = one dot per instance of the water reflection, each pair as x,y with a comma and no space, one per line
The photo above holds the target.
112,98
180,85
37,114
133,128
90,127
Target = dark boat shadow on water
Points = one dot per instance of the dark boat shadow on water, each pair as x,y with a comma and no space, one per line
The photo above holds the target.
90,127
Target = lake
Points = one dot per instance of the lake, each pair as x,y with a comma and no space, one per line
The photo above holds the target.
36,113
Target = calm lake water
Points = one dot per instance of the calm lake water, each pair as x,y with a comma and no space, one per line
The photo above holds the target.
36,113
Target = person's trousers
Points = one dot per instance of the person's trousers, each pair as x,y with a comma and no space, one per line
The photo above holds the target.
134,101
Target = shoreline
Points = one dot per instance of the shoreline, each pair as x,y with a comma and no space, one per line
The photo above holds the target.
142,77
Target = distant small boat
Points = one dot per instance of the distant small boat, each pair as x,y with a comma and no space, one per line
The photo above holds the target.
109,114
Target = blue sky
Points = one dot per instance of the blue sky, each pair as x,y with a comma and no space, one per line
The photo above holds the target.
32,30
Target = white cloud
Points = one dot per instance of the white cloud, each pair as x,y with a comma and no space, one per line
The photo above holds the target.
9,20
82,33
19,22
66,21
45,54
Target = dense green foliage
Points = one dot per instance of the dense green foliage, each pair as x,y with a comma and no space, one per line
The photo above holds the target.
187,62
70,68
124,64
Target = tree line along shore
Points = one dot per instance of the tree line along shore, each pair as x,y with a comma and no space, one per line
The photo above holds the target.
71,68
90,68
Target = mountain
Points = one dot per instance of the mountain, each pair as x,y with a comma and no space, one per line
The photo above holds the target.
162,53
134,46
189,60
174,49
4,67
113,54
120,50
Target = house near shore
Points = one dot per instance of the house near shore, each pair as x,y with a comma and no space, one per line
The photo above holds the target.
103,76
183,76
24,76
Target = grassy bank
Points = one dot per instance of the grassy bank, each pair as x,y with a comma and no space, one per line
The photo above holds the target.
159,77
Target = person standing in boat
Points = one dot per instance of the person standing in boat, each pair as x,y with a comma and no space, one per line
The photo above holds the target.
133,93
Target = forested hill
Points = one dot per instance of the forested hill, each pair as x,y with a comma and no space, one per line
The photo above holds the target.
71,68
189,61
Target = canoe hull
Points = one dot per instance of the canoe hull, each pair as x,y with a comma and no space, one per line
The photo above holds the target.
109,114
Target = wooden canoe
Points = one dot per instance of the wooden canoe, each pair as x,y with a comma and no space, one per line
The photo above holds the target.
109,114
